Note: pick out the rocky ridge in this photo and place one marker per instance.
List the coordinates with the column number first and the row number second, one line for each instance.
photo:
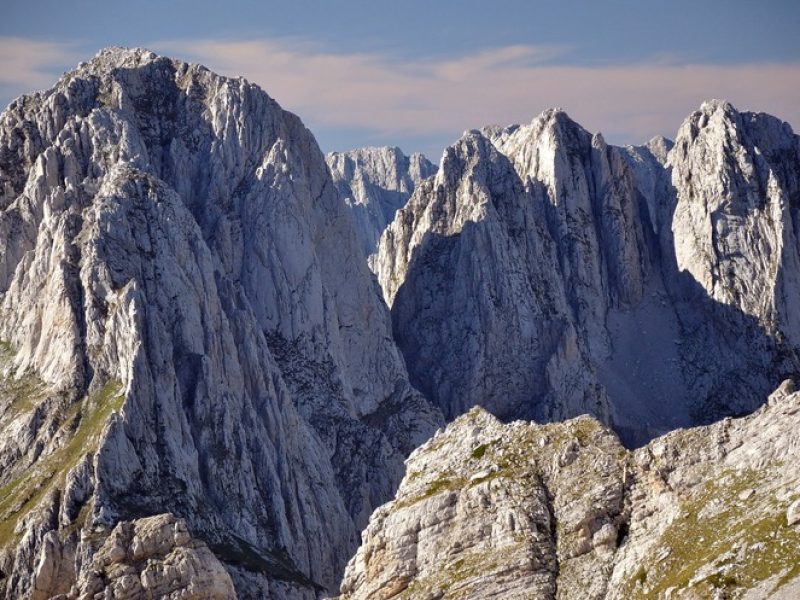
column 189, row 328
column 375, row 183
column 563, row 510
column 570, row 276
column 200, row 393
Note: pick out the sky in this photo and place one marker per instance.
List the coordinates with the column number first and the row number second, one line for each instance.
column 417, row 74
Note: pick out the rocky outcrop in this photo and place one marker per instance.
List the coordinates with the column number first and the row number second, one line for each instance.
column 191, row 328
column 375, row 183
column 468, row 263
column 522, row 510
column 737, row 177
column 154, row 557
column 566, row 276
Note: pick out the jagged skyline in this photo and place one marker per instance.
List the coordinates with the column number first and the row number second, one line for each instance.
column 203, row 394
column 418, row 74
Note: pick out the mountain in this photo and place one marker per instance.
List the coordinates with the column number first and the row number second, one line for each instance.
column 374, row 183
column 563, row 510
column 203, row 393
column 191, row 335
column 650, row 286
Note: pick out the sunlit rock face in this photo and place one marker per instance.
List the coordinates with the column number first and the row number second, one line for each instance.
column 563, row 510
column 650, row 286
column 190, row 327
column 375, row 183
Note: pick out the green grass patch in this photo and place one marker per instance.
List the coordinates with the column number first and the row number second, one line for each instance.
column 454, row 579
column 478, row 452
column 82, row 422
column 19, row 395
column 700, row 539
column 443, row 484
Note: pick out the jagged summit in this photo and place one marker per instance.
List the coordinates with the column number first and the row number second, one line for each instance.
column 101, row 65
column 719, row 120
column 184, row 297
column 199, row 377
column 619, row 248
column 714, row 104
column 120, row 57
column 114, row 57
column 374, row 183
column 555, row 115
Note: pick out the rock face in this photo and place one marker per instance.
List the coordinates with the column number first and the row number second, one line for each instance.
column 375, row 183
column 201, row 394
column 521, row 510
column 155, row 557
column 737, row 177
column 649, row 286
column 468, row 265
column 189, row 327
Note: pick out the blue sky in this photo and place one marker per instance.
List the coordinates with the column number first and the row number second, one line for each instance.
column 416, row 74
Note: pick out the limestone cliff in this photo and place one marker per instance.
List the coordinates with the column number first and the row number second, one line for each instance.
column 649, row 286
column 375, row 183
column 562, row 510
column 190, row 327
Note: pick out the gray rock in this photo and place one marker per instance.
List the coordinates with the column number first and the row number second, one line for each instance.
column 191, row 328
column 154, row 557
column 468, row 265
column 486, row 511
column 565, row 275
column 793, row 513
column 375, row 183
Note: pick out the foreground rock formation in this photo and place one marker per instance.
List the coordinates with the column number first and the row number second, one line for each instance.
column 650, row 286
column 190, row 328
column 375, row 183
column 563, row 510
column 152, row 557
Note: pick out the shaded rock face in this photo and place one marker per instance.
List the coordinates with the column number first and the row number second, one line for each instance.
column 468, row 265
column 650, row 286
column 564, row 511
column 375, row 183
column 190, row 328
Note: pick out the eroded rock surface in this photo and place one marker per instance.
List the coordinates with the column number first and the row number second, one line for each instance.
column 189, row 327
column 649, row 286
column 563, row 510
column 190, row 330
column 375, row 183
column 154, row 557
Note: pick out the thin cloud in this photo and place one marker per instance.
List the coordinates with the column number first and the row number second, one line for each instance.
column 438, row 98
column 31, row 64
column 628, row 102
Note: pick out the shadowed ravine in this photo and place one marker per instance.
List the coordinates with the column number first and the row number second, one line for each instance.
column 545, row 321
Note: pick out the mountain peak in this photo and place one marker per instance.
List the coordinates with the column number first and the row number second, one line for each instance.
column 553, row 117
column 117, row 57
column 190, row 267
column 715, row 104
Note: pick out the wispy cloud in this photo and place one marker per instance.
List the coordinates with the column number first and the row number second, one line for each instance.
column 628, row 102
column 383, row 96
column 28, row 65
